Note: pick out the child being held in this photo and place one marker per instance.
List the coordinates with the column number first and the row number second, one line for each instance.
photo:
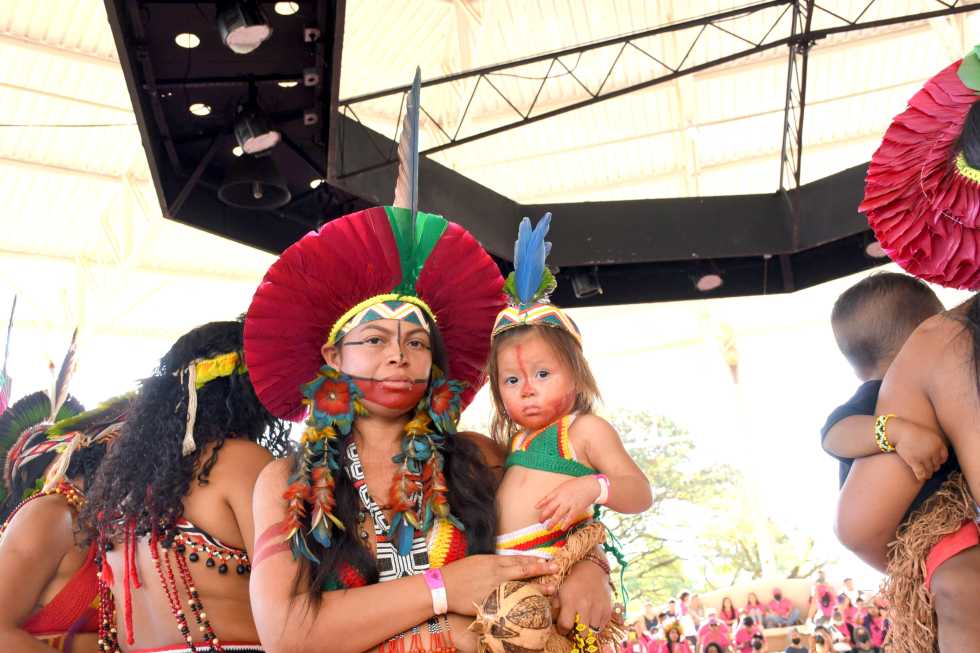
column 871, row 321
column 563, row 459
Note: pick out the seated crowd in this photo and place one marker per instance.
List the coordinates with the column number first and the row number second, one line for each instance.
column 847, row 620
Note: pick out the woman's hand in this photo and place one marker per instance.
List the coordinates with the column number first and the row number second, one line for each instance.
column 470, row 580
column 584, row 592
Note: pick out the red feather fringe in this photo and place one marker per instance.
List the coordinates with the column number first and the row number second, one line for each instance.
column 924, row 213
column 324, row 274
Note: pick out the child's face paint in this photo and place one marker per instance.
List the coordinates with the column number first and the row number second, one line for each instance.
column 535, row 385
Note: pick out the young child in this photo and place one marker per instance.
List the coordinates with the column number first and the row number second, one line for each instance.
column 563, row 458
column 871, row 321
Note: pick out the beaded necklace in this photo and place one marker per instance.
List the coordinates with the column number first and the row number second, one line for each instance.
column 392, row 565
column 192, row 539
column 189, row 543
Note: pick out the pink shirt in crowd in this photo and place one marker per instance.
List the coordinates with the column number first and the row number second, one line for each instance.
column 820, row 590
column 877, row 628
column 718, row 634
column 851, row 615
column 782, row 607
column 743, row 638
column 660, row 646
column 754, row 611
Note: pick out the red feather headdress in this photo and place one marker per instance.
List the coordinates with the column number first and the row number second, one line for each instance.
column 921, row 198
column 361, row 256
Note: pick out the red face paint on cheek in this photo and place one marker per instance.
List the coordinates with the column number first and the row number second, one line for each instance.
column 559, row 406
column 396, row 396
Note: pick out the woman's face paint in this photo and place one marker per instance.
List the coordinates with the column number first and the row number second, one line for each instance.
column 399, row 394
column 390, row 362
column 534, row 383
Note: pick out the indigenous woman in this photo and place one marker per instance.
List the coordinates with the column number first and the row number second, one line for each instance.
column 379, row 325
column 922, row 200
column 172, row 506
column 48, row 582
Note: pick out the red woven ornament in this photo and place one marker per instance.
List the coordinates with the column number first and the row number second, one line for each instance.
column 353, row 259
column 923, row 210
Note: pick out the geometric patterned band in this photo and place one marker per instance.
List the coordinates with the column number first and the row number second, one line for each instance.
column 382, row 307
column 541, row 313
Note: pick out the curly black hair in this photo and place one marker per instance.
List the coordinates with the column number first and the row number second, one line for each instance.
column 145, row 476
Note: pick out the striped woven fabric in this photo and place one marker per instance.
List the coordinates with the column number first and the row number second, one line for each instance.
column 537, row 539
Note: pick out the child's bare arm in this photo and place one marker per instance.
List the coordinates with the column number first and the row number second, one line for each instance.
column 852, row 437
column 629, row 488
column 922, row 449
column 601, row 449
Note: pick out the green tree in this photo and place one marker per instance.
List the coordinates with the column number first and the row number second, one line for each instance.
column 653, row 542
column 732, row 552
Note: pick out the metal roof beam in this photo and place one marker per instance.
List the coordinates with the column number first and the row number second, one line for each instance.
column 797, row 37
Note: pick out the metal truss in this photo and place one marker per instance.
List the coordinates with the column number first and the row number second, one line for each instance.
column 790, row 24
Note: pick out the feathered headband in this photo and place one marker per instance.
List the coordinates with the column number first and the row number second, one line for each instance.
column 531, row 283
column 198, row 373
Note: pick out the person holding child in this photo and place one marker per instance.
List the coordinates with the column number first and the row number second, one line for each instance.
column 922, row 201
column 378, row 531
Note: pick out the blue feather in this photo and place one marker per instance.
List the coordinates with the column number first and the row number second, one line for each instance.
column 530, row 252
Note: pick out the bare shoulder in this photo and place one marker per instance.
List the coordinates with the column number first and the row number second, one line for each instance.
column 237, row 452
column 49, row 519
column 493, row 453
column 938, row 333
column 276, row 473
column 270, row 485
column 590, row 425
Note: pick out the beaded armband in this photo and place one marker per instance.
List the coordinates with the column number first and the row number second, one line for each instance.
column 881, row 433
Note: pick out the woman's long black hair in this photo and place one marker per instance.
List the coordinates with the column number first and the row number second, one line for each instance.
column 969, row 144
column 472, row 488
column 145, row 476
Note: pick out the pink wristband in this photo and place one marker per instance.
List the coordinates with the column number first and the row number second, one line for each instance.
column 433, row 578
column 603, row 488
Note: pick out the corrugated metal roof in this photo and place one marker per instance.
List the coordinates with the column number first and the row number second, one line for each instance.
column 712, row 133
column 79, row 198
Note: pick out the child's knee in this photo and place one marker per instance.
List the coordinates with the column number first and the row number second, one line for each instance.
column 956, row 587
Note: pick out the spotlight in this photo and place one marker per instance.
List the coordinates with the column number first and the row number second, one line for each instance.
column 187, row 40
column 200, row 109
column 585, row 283
column 242, row 25
column 253, row 183
column 286, row 8
column 254, row 132
column 875, row 250
column 709, row 282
